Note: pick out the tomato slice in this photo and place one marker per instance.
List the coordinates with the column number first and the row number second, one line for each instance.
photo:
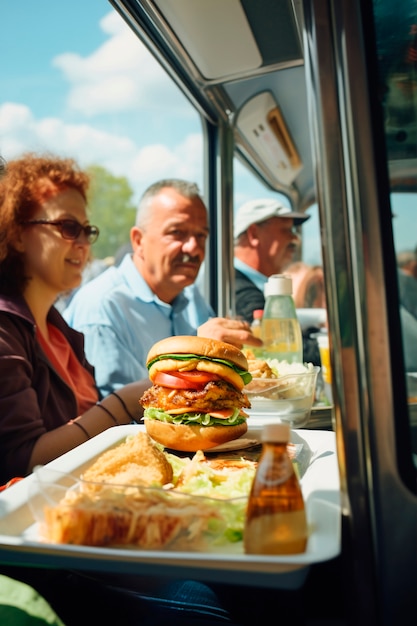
column 195, row 376
column 170, row 380
column 184, row 380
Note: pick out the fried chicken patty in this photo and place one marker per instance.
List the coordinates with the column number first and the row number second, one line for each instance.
column 216, row 395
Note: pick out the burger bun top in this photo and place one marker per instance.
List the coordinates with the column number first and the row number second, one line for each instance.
column 201, row 346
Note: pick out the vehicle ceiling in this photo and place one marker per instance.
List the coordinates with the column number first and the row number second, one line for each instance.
column 239, row 59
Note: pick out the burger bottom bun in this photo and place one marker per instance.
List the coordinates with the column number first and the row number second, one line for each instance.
column 187, row 438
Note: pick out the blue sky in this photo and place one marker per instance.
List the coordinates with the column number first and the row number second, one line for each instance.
column 81, row 83
column 75, row 80
column 71, row 86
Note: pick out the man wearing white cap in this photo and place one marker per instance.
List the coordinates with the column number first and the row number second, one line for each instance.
column 265, row 242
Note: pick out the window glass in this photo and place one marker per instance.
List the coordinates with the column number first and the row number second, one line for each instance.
column 248, row 187
column 81, row 84
column 396, row 33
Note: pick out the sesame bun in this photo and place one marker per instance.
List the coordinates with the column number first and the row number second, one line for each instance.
column 189, row 438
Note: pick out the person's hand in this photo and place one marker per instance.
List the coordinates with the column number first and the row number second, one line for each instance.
column 234, row 331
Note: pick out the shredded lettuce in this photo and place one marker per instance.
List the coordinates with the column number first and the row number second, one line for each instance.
column 230, row 489
column 233, row 485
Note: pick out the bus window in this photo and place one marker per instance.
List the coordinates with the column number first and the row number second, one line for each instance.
column 247, row 187
column 397, row 63
column 101, row 98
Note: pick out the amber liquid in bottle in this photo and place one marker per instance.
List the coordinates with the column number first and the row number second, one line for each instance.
column 276, row 520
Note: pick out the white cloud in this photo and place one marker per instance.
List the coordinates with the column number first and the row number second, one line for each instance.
column 121, row 81
column 116, row 116
column 121, row 75
column 182, row 161
column 20, row 132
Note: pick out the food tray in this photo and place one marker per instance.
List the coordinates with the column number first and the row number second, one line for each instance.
column 20, row 543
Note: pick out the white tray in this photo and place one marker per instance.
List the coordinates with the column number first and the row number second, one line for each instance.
column 19, row 543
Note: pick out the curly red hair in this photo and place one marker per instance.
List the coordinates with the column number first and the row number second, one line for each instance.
column 25, row 184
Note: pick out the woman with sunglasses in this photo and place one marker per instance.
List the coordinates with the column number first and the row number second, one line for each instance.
column 48, row 398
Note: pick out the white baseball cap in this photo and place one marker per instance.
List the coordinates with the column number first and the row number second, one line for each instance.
column 256, row 211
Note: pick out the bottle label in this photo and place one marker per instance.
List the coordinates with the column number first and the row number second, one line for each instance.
column 275, row 473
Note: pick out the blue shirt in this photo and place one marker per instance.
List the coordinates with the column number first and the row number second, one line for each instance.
column 122, row 318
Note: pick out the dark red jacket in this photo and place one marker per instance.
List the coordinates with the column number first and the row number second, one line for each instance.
column 33, row 397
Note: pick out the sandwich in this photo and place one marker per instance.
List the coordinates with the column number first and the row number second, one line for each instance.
column 197, row 400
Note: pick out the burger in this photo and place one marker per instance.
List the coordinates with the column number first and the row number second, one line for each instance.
column 196, row 401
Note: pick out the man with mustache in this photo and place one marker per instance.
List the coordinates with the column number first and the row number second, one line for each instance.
column 265, row 243
column 152, row 293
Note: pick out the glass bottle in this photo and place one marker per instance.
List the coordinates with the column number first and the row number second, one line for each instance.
column 257, row 322
column 256, row 328
column 281, row 330
column 276, row 521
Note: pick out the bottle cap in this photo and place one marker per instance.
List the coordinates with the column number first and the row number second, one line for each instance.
column 278, row 285
column 279, row 431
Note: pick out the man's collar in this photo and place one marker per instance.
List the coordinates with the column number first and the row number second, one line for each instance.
column 256, row 277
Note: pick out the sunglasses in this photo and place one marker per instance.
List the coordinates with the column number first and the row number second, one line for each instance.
column 69, row 229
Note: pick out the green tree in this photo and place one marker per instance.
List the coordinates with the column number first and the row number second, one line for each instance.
column 110, row 207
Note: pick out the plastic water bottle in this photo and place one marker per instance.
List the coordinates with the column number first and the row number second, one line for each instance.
column 276, row 521
column 281, row 331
